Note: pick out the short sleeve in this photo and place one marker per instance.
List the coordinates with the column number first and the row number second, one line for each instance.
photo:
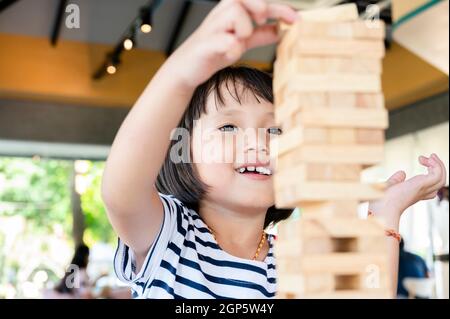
column 124, row 259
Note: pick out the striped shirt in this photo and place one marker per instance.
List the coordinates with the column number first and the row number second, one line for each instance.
column 185, row 261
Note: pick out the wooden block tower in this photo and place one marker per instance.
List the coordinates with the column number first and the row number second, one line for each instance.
column 329, row 102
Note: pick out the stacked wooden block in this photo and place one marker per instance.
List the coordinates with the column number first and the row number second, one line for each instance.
column 329, row 103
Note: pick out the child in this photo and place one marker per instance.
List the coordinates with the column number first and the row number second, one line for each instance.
column 196, row 229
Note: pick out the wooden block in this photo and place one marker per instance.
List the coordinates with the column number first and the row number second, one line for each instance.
column 369, row 100
column 353, row 65
column 343, row 118
column 290, row 284
column 316, row 172
column 331, row 209
column 287, row 249
column 341, row 100
column 344, row 12
column 350, row 282
column 322, row 117
column 317, row 225
column 294, row 286
column 296, row 246
column 318, row 283
column 369, row 136
column 296, row 195
column 343, row 271
column 343, row 263
column 331, row 154
column 342, row 136
column 333, row 172
column 348, row 12
column 320, row 226
column 304, row 99
column 315, row 135
column 334, row 82
column 298, row 284
column 291, row 256
column 299, row 100
column 292, row 138
column 280, row 97
column 359, row 29
column 290, row 176
column 287, row 105
column 286, row 295
column 334, row 100
column 323, row 65
column 320, row 47
column 372, row 244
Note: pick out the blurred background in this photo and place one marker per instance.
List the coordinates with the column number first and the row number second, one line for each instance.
column 71, row 70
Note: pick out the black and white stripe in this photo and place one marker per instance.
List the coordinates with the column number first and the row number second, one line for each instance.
column 186, row 262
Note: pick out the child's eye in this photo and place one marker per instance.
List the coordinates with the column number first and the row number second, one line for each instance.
column 274, row 130
column 228, row 128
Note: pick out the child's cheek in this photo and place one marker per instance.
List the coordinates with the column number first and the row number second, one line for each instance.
column 214, row 160
column 214, row 148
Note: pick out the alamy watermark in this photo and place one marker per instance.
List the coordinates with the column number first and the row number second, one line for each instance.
column 73, row 277
column 73, row 16
column 248, row 145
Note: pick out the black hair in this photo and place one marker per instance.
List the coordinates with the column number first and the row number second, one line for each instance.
column 80, row 259
column 181, row 179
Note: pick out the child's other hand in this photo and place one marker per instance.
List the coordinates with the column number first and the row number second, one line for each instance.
column 402, row 193
column 230, row 29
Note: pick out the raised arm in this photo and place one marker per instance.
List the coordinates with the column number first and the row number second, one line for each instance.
column 141, row 144
column 403, row 193
column 136, row 156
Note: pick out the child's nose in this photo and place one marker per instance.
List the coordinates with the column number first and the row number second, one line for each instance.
column 258, row 144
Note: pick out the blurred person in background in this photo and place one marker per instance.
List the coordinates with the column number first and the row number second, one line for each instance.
column 75, row 283
column 410, row 266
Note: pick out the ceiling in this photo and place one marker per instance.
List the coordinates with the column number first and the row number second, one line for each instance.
column 33, row 69
column 36, row 18
column 105, row 21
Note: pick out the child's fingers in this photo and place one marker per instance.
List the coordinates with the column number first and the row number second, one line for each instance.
column 434, row 177
column 442, row 165
column 282, row 12
column 226, row 44
column 436, row 169
column 430, row 195
column 396, row 178
column 258, row 9
column 264, row 35
column 424, row 160
column 239, row 22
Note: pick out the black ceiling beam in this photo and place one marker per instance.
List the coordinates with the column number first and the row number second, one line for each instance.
column 178, row 27
column 58, row 22
column 6, row 3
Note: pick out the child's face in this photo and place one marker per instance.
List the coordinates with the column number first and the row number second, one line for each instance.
column 231, row 138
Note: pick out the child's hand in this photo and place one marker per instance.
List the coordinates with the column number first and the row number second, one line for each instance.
column 402, row 193
column 230, row 29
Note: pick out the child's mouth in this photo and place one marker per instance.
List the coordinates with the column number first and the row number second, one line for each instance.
column 255, row 172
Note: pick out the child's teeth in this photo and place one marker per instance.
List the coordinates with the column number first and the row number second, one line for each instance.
column 263, row 170
column 259, row 169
